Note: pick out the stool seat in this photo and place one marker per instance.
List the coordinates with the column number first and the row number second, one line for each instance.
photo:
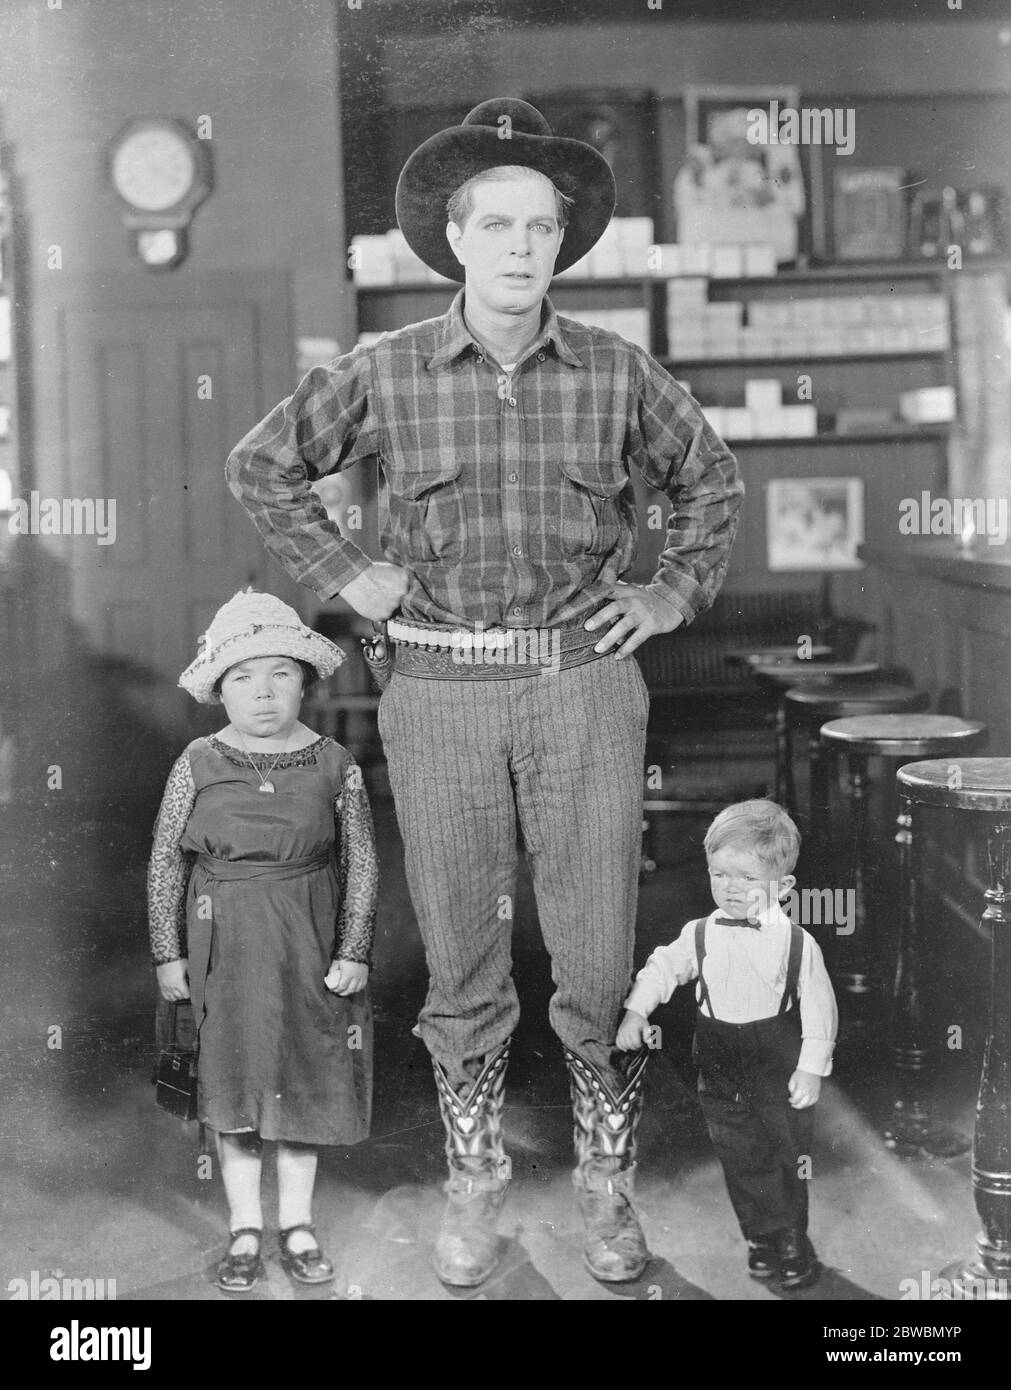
column 741, row 656
column 831, row 701
column 907, row 735
column 784, row 674
column 984, row 784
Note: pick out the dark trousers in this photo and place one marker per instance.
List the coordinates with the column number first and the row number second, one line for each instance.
column 760, row 1139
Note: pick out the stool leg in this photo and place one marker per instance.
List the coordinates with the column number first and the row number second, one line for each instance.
column 853, row 969
column 786, row 794
column 818, row 763
column 988, row 1275
column 911, row 1130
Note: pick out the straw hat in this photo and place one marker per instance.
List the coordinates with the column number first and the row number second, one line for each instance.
column 504, row 130
column 253, row 624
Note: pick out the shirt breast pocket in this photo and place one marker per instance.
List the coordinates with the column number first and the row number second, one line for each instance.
column 427, row 519
column 592, row 503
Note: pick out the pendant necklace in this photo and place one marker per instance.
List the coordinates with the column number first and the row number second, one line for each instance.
column 266, row 785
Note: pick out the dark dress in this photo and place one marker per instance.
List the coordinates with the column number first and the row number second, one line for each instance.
column 277, row 888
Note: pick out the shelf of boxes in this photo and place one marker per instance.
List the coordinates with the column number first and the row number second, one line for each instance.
column 832, row 328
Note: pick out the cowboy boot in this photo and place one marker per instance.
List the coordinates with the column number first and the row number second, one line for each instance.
column 605, row 1124
column 467, row 1246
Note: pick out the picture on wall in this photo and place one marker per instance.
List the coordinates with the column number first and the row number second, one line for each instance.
column 740, row 182
column 814, row 523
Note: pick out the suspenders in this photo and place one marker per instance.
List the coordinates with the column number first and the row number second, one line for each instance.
column 792, row 967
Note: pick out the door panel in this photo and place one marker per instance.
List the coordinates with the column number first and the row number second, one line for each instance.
column 159, row 387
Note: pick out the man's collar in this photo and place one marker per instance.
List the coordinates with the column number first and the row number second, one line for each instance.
column 455, row 337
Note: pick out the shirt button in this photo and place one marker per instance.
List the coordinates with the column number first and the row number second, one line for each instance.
column 540, row 357
column 517, row 550
column 514, row 477
column 480, row 358
column 517, row 612
column 512, row 400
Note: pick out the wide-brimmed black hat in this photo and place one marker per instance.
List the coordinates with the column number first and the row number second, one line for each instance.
column 437, row 168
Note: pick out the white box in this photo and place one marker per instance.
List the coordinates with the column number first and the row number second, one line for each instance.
column 770, row 313
column 723, row 318
column 663, row 259
column 763, row 393
column 695, row 258
column 606, row 256
column 727, row 263
column 799, row 421
column 808, row 313
column 933, row 339
column 635, row 238
column 930, row 405
column 371, row 261
column 724, row 346
column 714, row 414
column 760, row 258
column 769, row 422
column 738, row 422
column 691, row 292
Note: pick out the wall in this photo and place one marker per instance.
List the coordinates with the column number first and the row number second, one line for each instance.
column 266, row 75
column 658, row 50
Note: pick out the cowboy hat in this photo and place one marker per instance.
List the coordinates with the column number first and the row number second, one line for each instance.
column 249, row 625
column 504, row 130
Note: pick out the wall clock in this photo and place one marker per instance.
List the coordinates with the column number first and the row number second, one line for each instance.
column 161, row 173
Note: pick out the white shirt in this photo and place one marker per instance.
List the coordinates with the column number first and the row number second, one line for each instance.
column 745, row 972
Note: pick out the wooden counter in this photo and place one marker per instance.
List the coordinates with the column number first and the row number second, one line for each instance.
column 945, row 613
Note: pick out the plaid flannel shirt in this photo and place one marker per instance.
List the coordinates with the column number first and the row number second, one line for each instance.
column 508, row 498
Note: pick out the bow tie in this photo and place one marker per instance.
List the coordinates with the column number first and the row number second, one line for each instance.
column 738, row 922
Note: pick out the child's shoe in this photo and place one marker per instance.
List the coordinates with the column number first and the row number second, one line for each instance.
column 798, row 1264
column 763, row 1257
column 238, row 1273
column 309, row 1266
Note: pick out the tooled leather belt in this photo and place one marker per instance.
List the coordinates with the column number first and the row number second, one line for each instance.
column 443, row 652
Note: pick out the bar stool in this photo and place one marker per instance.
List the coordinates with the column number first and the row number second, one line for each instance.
column 911, row 1129
column 742, row 656
column 810, row 705
column 779, row 676
column 982, row 788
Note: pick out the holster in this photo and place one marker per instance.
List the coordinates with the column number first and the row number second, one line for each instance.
column 378, row 654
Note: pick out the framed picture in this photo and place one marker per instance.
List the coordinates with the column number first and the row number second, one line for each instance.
column 742, row 180
column 869, row 213
column 814, row 523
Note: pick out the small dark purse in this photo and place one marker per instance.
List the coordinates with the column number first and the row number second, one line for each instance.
column 175, row 1078
column 378, row 655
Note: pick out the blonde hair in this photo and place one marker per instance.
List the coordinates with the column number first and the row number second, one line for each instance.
column 460, row 203
column 759, row 826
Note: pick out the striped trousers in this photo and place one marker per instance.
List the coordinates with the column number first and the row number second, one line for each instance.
column 562, row 754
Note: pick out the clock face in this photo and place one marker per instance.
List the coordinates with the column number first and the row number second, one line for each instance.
column 153, row 168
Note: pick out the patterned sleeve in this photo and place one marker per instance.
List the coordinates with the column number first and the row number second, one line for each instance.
column 357, row 869
column 168, row 872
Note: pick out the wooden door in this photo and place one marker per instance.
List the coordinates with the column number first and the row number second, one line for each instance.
column 161, row 381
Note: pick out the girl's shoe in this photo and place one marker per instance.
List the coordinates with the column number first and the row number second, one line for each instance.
column 304, row 1266
column 240, row 1273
